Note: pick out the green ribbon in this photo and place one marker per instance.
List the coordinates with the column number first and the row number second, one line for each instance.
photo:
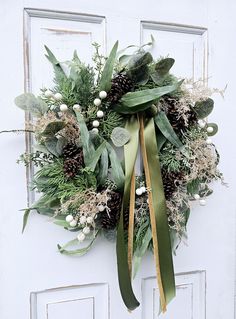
column 130, row 154
column 159, row 203
column 163, row 236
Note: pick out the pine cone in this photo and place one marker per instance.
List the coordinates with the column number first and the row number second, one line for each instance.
column 73, row 159
column 110, row 220
column 71, row 167
column 120, row 85
column 70, row 150
column 176, row 120
column 171, row 180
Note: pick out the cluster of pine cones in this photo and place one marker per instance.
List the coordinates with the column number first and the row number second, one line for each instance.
column 73, row 160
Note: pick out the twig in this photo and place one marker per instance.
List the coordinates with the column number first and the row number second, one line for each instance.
column 17, row 131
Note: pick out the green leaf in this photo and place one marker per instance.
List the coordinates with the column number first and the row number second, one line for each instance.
column 140, row 251
column 167, row 130
column 53, row 127
column 193, row 186
column 61, row 142
column 51, row 145
column 204, row 108
column 78, row 252
column 103, row 168
column 215, row 129
column 117, row 171
column 137, row 67
column 163, row 67
column 133, row 99
column 94, row 158
column 120, row 108
column 105, row 81
column 138, row 60
column 29, row 103
column 161, row 139
column 25, row 218
column 120, row 136
column 88, row 148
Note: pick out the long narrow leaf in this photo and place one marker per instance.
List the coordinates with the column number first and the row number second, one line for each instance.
column 167, row 130
column 25, row 218
column 78, row 252
column 103, row 169
column 117, row 171
column 95, row 157
column 88, row 148
column 132, row 99
column 139, row 252
column 105, row 82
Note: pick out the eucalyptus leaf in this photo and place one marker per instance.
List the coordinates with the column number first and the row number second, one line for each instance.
column 88, row 148
column 80, row 251
column 94, row 158
column 138, row 60
column 140, row 251
column 25, row 218
column 56, row 64
column 29, row 103
column 53, row 127
column 61, row 142
column 163, row 66
column 204, row 108
column 161, row 139
column 105, row 81
column 215, row 129
column 51, row 145
column 120, row 136
column 103, row 168
column 133, row 99
column 116, row 168
column 167, row 130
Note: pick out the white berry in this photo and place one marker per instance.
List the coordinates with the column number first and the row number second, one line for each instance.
column 143, row 189
column 210, row 129
column 101, row 208
column 102, row 94
column 76, row 107
column 89, row 220
column 196, row 196
column 73, row 223
column 100, row 114
column 201, row 123
column 202, row 202
column 69, row 218
column 97, row 102
column 81, row 237
column 48, row 93
column 138, row 191
column 209, row 141
column 82, row 220
column 86, row 230
column 96, row 123
column 63, row 107
column 95, row 130
column 57, row 96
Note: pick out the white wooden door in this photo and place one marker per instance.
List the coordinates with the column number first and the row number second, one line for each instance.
column 35, row 280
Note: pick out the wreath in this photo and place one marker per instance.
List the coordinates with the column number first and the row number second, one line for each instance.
column 92, row 114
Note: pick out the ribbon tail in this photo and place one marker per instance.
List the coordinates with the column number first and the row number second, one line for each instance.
column 131, row 223
column 158, row 216
column 130, row 153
